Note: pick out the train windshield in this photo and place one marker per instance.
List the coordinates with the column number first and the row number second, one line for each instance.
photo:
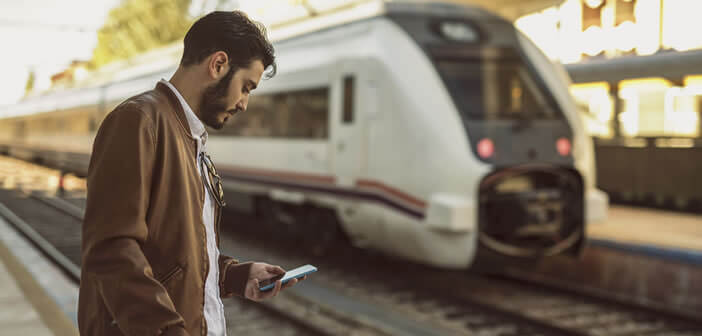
column 493, row 84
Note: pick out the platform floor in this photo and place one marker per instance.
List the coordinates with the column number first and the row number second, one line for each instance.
column 650, row 227
column 17, row 315
column 25, row 308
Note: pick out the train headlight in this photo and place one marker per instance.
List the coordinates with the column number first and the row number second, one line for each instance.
column 563, row 146
column 458, row 31
column 486, row 148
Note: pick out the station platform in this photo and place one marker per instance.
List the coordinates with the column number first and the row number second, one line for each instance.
column 648, row 256
column 31, row 293
column 651, row 227
column 657, row 233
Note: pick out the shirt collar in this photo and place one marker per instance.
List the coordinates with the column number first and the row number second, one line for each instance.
column 197, row 128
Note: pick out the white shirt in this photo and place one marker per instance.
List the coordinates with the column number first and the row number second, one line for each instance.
column 214, row 310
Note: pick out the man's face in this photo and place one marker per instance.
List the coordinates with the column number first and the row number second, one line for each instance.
column 230, row 95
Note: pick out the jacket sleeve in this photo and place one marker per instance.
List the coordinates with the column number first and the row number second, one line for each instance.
column 232, row 276
column 114, row 228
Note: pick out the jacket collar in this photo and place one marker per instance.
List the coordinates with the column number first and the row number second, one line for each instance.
column 176, row 107
column 197, row 128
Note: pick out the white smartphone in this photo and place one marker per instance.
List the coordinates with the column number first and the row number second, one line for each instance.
column 299, row 272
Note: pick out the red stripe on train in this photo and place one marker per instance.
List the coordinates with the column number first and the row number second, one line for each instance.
column 305, row 177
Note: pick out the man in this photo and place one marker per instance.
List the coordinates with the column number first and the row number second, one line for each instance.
column 150, row 257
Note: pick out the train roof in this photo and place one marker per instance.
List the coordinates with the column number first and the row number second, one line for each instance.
column 78, row 96
column 670, row 65
column 373, row 9
column 441, row 9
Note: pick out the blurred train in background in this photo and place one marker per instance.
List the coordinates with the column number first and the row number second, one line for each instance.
column 638, row 81
column 644, row 114
column 429, row 131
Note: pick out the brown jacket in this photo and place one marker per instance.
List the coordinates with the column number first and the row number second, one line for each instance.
column 144, row 258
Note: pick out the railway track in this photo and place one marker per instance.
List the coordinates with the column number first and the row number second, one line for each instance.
column 54, row 222
column 391, row 293
column 60, row 242
column 480, row 304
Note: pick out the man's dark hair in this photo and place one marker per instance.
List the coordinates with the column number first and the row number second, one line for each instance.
column 243, row 39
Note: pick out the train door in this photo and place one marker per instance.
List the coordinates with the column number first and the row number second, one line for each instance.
column 355, row 112
column 352, row 102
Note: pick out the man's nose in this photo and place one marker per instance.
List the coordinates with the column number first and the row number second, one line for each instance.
column 243, row 103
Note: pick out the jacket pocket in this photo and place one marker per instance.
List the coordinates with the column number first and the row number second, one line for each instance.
column 168, row 276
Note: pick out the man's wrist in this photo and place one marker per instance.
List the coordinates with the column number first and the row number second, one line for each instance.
column 235, row 279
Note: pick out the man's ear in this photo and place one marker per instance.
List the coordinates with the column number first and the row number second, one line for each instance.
column 218, row 65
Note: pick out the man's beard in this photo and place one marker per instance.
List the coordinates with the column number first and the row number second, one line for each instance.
column 213, row 102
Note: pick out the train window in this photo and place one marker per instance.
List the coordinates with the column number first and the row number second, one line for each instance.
column 649, row 107
column 347, row 117
column 20, row 129
column 494, row 89
column 644, row 105
column 596, row 104
column 682, row 112
column 688, row 105
column 299, row 114
column 60, row 124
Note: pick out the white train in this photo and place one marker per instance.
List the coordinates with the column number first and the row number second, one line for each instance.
column 427, row 131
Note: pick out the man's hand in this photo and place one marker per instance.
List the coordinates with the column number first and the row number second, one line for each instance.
column 261, row 271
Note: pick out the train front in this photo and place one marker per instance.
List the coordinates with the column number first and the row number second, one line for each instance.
column 537, row 192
